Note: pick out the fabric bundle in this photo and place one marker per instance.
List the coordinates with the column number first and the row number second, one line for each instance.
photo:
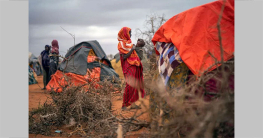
column 169, row 59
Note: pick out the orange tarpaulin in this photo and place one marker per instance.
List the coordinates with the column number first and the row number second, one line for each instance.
column 59, row 80
column 194, row 33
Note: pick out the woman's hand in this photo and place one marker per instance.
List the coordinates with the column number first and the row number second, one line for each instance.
column 125, row 56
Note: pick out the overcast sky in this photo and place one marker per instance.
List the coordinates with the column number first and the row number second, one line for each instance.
column 98, row 20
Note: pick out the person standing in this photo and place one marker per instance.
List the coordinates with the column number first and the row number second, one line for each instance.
column 54, row 57
column 45, row 65
column 132, row 68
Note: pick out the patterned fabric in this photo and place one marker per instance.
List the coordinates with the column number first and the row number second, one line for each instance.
column 136, row 73
column 177, row 80
column 179, row 77
column 31, row 78
column 169, row 59
column 125, row 45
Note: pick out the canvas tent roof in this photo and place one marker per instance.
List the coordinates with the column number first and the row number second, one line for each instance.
column 94, row 44
column 78, row 56
column 32, row 57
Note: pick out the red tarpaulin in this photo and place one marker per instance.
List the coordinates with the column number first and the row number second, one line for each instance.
column 194, row 33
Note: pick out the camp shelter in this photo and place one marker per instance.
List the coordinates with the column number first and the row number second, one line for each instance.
column 31, row 76
column 195, row 34
column 83, row 63
column 188, row 43
column 36, row 66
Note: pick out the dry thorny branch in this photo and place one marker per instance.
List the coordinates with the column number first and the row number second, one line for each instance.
column 88, row 112
column 152, row 24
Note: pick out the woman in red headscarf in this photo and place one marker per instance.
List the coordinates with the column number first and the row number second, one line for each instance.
column 54, row 59
column 131, row 66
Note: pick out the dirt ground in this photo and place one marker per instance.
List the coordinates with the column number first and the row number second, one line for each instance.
column 38, row 97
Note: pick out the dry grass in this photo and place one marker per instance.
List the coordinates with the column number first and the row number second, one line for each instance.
column 190, row 115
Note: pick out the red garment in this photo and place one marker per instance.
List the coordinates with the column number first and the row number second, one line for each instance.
column 55, row 47
column 133, row 76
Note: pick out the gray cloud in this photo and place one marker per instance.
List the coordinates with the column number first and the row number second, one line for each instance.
column 94, row 20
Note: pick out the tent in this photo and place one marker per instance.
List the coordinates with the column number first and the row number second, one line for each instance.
column 31, row 76
column 83, row 63
column 36, row 65
column 194, row 33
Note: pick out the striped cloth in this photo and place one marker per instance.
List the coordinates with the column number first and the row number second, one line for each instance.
column 169, row 59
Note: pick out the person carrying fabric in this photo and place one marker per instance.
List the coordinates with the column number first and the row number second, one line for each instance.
column 131, row 66
column 45, row 65
column 54, row 59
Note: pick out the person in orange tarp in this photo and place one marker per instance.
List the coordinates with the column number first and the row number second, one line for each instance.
column 194, row 33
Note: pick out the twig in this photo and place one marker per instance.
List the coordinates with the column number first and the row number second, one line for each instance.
column 221, row 46
column 73, row 36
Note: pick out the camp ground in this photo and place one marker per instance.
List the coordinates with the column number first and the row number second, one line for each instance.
column 87, row 60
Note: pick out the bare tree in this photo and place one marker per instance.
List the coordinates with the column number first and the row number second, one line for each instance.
column 152, row 23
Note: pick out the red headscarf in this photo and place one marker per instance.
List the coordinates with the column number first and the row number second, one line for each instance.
column 125, row 45
column 55, row 47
